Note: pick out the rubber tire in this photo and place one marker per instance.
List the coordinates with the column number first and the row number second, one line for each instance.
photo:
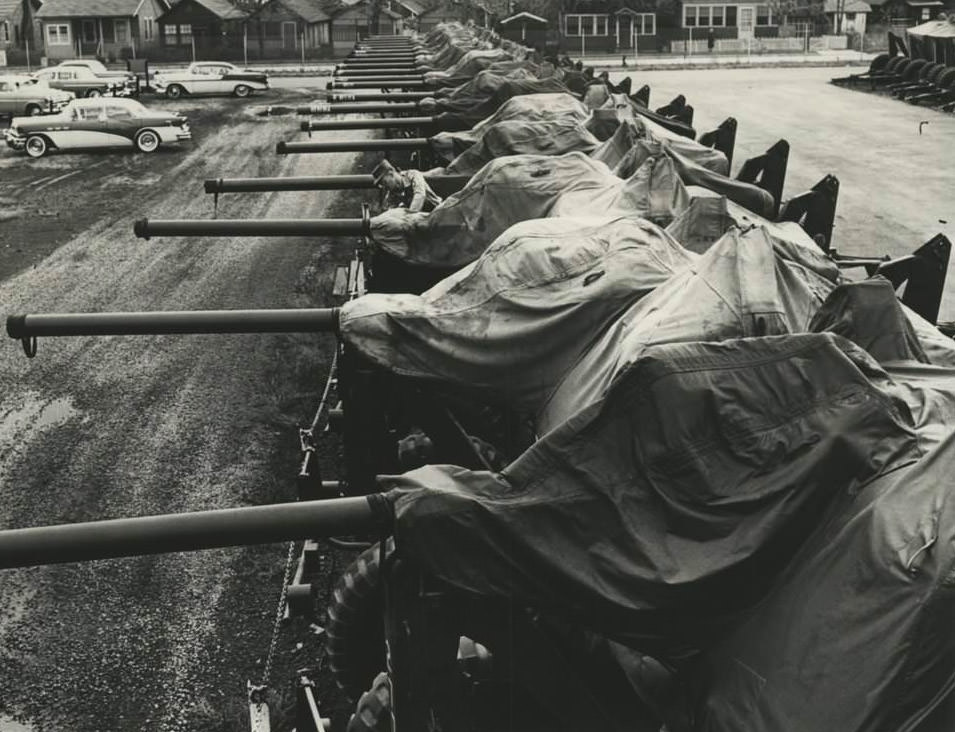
column 174, row 91
column 355, row 644
column 42, row 146
column 147, row 135
column 93, row 93
column 242, row 91
column 946, row 80
column 34, row 110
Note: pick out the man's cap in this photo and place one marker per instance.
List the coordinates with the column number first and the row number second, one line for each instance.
column 381, row 170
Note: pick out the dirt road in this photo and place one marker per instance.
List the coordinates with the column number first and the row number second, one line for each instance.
column 107, row 427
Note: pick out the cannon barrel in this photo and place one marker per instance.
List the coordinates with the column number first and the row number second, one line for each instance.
column 380, row 79
column 161, row 534
column 410, row 143
column 443, row 185
column 286, row 183
column 408, row 66
column 188, row 322
column 378, row 73
column 363, row 108
column 378, row 97
column 146, row 228
column 368, row 124
column 413, row 85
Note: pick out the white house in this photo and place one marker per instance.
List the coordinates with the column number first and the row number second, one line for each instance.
column 852, row 16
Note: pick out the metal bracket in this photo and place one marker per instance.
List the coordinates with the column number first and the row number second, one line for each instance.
column 29, row 344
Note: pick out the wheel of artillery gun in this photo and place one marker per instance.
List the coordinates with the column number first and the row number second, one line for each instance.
column 946, row 80
column 355, row 637
column 879, row 62
column 912, row 70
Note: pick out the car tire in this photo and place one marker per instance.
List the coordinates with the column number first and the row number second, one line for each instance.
column 91, row 93
column 242, row 91
column 36, row 146
column 147, row 141
column 174, row 91
column 34, row 110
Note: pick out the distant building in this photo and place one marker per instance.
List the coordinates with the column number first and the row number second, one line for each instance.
column 847, row 16
column 209, row 29
column 109, row 29
column 289, row 27
column 16, row 24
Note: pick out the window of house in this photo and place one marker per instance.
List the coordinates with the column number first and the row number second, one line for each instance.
column 272, row 30
column 169, row 34
column 764, row 15
column 147, row 29
column 5, row 32
column 926, row 14
column 585, row 25
column 851, row 17
column 706, row 16
column 185, row 34
column 645, row 24
column 58, row 34
column 121, row 30
column 323, row 34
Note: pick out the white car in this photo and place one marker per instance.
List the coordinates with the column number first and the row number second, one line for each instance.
column 24, row 95
column 97, row 123
column 98, row 69
column 84, row 83
column 209, row 77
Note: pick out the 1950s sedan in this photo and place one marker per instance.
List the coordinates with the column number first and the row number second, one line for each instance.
column 23, row 95
column 209, row 77
column 97, row 123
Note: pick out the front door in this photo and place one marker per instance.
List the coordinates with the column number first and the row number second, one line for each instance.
column 746, row 21
column 288, row 35
column 624, row 31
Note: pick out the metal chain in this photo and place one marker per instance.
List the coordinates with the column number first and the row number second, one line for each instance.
column 289, row 562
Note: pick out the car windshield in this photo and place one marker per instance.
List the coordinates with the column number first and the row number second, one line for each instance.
column 88, row 113
column 124, row 111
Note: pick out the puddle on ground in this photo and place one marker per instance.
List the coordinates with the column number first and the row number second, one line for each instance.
column 31, row 417
column 10, row 725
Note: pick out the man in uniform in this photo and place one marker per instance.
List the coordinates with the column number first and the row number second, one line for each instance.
column 405, row 188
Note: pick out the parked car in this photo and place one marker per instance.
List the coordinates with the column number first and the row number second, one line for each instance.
column 97, row 123
column 24, row 95
column 209, row 77
column 84, row 83
column 101, row 71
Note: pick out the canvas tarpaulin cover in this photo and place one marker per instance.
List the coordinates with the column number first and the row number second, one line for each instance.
column 515, row 320
column 659, row 511
column 756, row 283
column 856, row 634
column 934, row 41
column 517, row 188
column 627, row 131
column 486, row 92
column 528, row 107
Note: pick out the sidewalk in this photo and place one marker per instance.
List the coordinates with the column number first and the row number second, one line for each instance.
column 644, row 62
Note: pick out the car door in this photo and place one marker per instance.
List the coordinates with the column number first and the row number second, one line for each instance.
column 201, row 81
column 121, row 124
column 7, row 98
column 221, row 84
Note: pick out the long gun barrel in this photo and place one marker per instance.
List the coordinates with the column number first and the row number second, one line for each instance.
column 188, row 322
column 387, row 66
column 433, row 124
column 128, row 537
column 378, row 96
column 381, row 79
column 443, row 185
column 376, row 74
column 363, row 108
column 146, row 228
column 392, row 83
column 410, row 143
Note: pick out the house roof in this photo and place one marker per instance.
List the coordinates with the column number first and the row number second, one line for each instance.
column 524, row 16
column 7, row 7
column 334, row 7
column 222, row 9
column 308, row 10
column 87, row 9
column 848, row 6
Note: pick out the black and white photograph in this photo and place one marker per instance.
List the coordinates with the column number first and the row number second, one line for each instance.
column 477, row 366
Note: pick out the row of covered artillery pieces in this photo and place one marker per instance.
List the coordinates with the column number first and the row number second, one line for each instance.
column 911, row 79
column 373, row 404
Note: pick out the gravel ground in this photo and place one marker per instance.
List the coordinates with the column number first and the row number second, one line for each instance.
column 108, row 427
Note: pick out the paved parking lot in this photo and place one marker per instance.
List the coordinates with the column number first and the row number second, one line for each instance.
column 897, row 181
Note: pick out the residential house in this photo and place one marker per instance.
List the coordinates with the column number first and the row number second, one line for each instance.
column 293, row 28
column 108, row 29
column 526, row 28
column 350, row 20
column 16, row 25
column 910, row 12
column 205, row 30
column 448, row 11
column 847, row 16
column 407, row 9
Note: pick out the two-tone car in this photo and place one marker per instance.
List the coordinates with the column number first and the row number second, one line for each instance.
column 24, row 95
column 209, row 77
column 128, row 78
column 98, row 123
column 84, row 83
